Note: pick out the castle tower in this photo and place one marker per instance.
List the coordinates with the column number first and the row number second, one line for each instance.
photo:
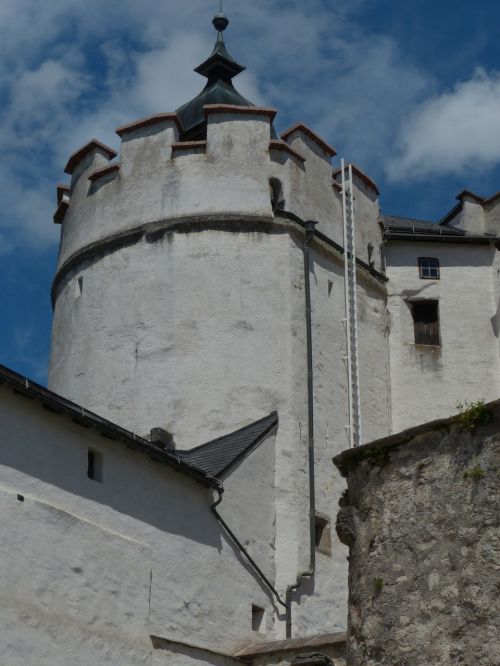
column 180, row 298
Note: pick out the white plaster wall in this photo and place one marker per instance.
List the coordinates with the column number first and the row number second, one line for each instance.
column 471, row 218
column 367, row 228
column 202, row 332
column 94, row 568
column 191, row 333
column 326, row 609
column 151, row 185
column 427, row 383
column 492, row 218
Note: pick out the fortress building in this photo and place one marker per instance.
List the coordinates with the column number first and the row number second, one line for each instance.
column 169, row 498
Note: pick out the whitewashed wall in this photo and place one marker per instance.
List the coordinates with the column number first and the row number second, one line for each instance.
column 91, row 569
column 427, row 383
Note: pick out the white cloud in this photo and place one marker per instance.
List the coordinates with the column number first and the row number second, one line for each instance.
column 452, row 132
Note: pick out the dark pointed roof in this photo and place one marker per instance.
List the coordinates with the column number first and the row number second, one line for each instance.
column 216, row 457
column 220, row 69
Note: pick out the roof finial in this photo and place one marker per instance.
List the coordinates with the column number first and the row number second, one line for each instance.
column 220, row 23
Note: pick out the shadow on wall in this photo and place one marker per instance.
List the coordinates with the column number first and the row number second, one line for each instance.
column 51, row 448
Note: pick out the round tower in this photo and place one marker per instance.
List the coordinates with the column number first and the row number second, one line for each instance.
column 175, row 295
column 190, row 295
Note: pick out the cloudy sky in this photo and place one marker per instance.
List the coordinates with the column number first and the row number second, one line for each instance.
column 408, row 90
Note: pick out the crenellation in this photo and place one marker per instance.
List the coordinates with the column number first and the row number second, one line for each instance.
column 109, row 170
column 92, row 155
column 150, row 121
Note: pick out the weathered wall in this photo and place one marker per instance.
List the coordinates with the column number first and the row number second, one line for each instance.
column 201, row 329
column 423, row 520
column 465, row 365
column 92, row 569
column 322, row 605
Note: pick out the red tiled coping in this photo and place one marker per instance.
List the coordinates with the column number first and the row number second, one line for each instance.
column 366, row 179
column 188, row 145
column 87, row 148
column 61, row 191
column 61, row 210
column 300, row 127
column 104, row 171
column 243, row 110
column 146, row 122
column 283, row 146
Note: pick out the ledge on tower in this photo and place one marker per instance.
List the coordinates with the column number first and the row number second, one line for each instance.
column 243, row 110
column 286, row 148
column 300, row 128
column 104, row 171
column 92, row 145
column 62, row 190
column 360, row 174
column 148, row 122
column 61, row 210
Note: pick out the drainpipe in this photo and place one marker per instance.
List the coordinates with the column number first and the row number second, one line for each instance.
column 265, row 580
column 310, row 225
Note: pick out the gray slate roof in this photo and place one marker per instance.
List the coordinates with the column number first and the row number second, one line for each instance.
column 406, row 226
column 218, row 456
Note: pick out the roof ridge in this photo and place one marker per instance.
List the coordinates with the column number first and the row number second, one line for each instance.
column 229, row 434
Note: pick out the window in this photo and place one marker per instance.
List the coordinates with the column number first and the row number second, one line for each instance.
column 323, row 535
column 428, row 268
column 276, row 192
column 94, row 466
column 425, row 322
column 258, row 617
column 78, row 287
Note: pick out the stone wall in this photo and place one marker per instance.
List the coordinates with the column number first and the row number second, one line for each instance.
column 421, row 518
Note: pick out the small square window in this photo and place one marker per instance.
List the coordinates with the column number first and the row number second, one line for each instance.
column 428, row 268
column 323, row 534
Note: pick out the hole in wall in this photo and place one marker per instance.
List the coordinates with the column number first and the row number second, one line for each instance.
column 276, row 192
column 258, row 619
column 78, row 287
column 322, row 534
column 20, row 498
column 94, row 465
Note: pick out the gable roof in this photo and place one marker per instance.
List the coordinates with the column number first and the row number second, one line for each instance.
column 215, row 458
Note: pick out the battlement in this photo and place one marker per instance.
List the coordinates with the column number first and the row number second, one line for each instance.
column 238, row 169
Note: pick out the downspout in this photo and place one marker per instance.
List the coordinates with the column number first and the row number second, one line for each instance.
column 265, row 580
column 310, row 225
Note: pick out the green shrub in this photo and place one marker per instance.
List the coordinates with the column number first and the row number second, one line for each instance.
column 473, row 414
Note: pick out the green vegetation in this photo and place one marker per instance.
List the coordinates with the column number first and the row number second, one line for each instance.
column 378, row 584
column 473, row 414
column 475, row 473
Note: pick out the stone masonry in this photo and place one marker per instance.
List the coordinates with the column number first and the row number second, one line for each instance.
column 421, row 518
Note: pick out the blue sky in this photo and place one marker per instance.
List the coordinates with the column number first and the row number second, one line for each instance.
column 410, row 91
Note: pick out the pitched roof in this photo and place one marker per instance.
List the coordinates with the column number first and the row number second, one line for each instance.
column 405, row 226
column 59, row 405
column 215, row 458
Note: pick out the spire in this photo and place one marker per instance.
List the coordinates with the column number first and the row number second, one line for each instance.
column 219, row 65
column 220, row 69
